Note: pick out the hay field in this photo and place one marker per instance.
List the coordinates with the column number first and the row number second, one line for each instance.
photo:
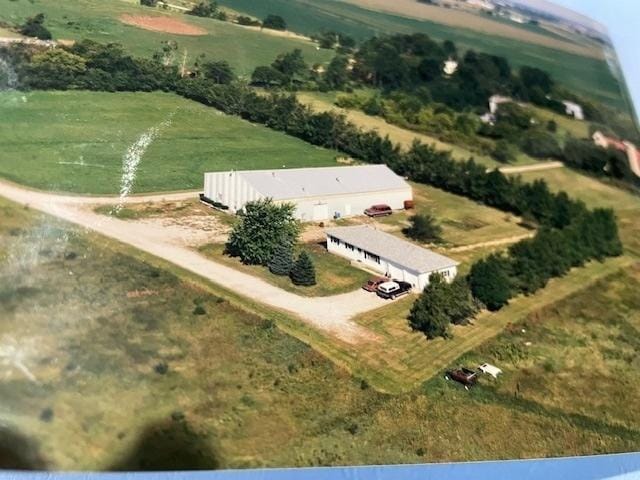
column 76, row 141
column 586, row 75
column 243, row 48
column 477, row 22
column 98, row 326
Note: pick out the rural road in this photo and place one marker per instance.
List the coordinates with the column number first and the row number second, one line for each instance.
column 329, row 314
column 538, row 167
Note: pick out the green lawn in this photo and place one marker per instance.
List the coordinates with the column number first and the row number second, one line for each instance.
column 99, row 21
column 75, row 141
column 463, row 221
column 334, row 274
column 589, row 76
column 97, row 324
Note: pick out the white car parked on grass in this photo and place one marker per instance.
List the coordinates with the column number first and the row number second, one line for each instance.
column 489, row 369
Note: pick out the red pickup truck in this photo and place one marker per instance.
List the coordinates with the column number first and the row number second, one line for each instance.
column 378, row 211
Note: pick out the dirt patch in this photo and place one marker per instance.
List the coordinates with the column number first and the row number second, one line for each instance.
column 162, row 24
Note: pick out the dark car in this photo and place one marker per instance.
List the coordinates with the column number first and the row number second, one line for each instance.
column 465, row 376
column 390, row 290
column 373, row 284
column 378, row 211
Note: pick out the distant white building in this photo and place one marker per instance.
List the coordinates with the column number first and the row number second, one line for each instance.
column 573, row 109
column 626, row 147
column 389, row 255
column 318, row 193
column 482, row 5
column 496, row 100
column 450, row 67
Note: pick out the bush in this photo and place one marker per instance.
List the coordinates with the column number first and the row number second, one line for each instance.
column 541, row 144
column 34, row 27
column 149, row 3
column 199, row 310
column 161, row 368
column 504, row 152
column 274, row 22
column 248, row 21
column 303, row 272
column 46, row 415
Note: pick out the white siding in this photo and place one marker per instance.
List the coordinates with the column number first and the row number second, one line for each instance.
column 386, row 267
column 230, row 189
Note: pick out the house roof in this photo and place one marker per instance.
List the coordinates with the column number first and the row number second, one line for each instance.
column 294, row 183
column 392, row 248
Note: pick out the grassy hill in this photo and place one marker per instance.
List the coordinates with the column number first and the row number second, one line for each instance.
column 99, row 20
column 227, row 389
column 588, row 76
column 75, row 141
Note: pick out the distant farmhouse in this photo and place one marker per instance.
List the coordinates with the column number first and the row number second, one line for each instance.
column 573, row 110
column 389, row 255
column 318, row 193
column 628, row 148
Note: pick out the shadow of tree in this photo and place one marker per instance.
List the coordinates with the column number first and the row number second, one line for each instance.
column 18, row 452
column 170, row 445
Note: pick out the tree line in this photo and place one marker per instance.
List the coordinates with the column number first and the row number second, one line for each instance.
column 569, row 235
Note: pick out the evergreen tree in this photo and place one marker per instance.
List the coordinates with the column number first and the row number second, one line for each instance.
column 281, row 262
column 489, row 282
column 303, row 272
column 423, row 228
column 429, row 313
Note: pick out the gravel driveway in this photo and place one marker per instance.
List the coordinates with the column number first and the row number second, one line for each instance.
column 330, row 314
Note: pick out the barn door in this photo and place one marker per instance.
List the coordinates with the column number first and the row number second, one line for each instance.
column 320, row 212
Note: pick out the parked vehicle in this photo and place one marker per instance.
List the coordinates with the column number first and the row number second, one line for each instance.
column 373, row 283
column 465, row 376
column 378, row 211
column 489, row 369
column 393, row 290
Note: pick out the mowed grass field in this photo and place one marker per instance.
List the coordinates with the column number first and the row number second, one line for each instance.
column 464, row 222
column 334, row 274
column 99, row 20
column 76, row 141
column 99, row 326
column 588, row 76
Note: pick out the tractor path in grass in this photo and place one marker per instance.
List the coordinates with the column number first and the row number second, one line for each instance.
column 330, row 314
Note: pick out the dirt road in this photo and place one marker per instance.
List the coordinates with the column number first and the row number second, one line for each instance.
column 330, row 314
column 532, row 168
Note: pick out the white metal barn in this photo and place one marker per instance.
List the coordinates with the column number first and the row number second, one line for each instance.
column 318, row 193
column 390, row 255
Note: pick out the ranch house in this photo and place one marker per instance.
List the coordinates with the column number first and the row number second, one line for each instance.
column 389, row 255
column 318, row 193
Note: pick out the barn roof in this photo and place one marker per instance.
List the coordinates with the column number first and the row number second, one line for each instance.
column 296, row 183
column 392, row 248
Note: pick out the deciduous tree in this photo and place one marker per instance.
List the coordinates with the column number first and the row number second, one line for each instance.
column 260, row 229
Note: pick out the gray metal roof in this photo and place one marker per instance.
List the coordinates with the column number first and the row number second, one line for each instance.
column 312, row 182
column 387, row 246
